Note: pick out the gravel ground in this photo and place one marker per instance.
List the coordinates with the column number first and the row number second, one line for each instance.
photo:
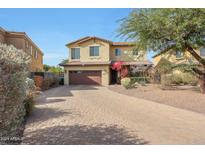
column 97, row 115
column 189, row 99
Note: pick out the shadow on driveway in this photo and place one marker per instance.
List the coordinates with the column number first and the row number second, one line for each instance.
column 44, row 114
column 83, row 135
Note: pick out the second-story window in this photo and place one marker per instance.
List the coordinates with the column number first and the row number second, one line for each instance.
column 135, row 52
column 94, row 51
column 26, row 44
column 117, row 52
column 75, row 53
column 31, row 50
column 36, row 54
column 179, row 54
column 202, row 52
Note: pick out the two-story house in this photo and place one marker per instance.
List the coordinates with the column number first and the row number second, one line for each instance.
column 21, row 41
column 91, row 59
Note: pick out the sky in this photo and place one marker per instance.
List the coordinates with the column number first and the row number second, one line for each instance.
column 51, row 29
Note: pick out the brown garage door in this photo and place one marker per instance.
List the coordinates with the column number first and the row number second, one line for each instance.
column 85, row 77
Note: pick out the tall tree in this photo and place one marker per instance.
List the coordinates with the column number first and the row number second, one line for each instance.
column 55, row 70
column 165, row 30
column 46, row 67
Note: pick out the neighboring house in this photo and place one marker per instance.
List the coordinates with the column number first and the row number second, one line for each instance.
column 21, row 41
column 91, row 60
column 178, row 57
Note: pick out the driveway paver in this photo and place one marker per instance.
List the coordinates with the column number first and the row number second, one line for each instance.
column 97, row 115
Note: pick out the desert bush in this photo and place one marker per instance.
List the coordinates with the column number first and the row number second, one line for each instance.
column 126, row 82
column 164, row 66
column 30, row 93
column 14, row 65
column 166, row 80
column 46, row 84
column 30, row 85
column 29, row 103
column 178, row 79
column 55, row 81
column 140, row 80
column 189, row 78
column 49, row 82
column 184, row 78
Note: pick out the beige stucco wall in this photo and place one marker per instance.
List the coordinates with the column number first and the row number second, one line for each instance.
column 37, row 64
column 20, row 43
column 104, row 68
column 126, row 54
column 2, row 37
column 104, row 49
column 172, row 57
column 106, row 52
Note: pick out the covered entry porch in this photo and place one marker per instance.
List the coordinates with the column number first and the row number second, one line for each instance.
column 120, row 69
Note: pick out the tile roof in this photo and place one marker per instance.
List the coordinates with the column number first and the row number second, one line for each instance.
column 123, row 43
column 88, row 38
column 20, row 34
column 138, row 63
column 78, row 63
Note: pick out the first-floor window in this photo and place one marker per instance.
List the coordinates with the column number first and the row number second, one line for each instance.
column 202, row 52
column 75, row 53
column 94, row 51
column 117, row 52
column 36, row 54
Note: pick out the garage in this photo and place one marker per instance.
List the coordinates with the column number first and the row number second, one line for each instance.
column 85, row 77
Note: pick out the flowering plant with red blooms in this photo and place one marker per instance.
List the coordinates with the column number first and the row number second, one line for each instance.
column 117, row 65
column 124, row 72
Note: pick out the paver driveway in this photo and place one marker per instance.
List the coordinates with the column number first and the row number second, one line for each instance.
column 96, row 115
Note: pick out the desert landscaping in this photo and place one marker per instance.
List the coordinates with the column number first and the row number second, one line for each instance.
column 184, row 97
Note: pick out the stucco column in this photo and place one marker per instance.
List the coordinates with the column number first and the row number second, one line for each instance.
column 66, row 77
column 105, row 76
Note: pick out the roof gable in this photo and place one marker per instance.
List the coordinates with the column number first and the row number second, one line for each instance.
column 84, row 39
column 88, row 38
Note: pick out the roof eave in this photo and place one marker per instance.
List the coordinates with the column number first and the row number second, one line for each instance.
column 24, row 35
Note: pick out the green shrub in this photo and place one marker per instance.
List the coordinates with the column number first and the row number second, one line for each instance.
column 49, row 82
column 46, row 84
column 177, row 79
column 189, row 78
column 140, row 80
column 164, row 66
column 126, row 82
column 166, row 80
